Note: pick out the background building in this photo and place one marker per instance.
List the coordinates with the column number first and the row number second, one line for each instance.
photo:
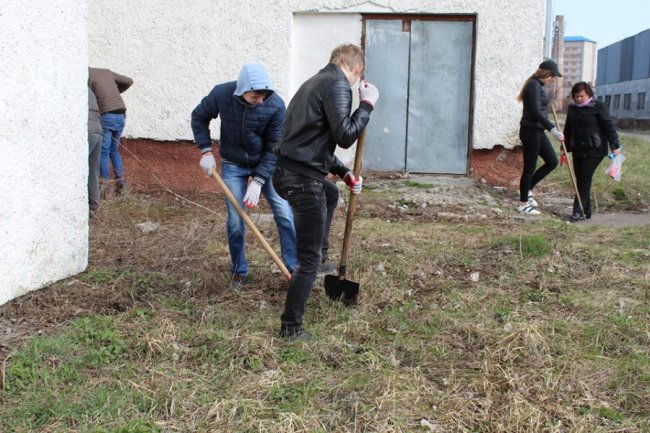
column 555, row 89
column 439, row 60
column 448, row 72
column 576, row 59
column 579, row 60
column 623, row 79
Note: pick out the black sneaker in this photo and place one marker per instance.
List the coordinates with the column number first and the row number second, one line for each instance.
column 299, row 335
column 326, row 268
column 577, row 216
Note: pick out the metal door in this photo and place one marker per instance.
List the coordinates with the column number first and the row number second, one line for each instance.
column 421, row 122
column 387, row 67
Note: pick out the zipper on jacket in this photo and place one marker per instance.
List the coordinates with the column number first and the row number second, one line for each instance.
column 243, row 133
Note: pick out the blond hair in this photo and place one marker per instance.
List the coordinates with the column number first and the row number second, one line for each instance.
column 540, row 74
column 348, row 55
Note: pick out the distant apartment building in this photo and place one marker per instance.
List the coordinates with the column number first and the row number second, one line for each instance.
column 555, row 90
column 579, row 64
column 579, row 60
column 623, row 79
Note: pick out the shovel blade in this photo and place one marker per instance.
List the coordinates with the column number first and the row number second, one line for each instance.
column 340, row 289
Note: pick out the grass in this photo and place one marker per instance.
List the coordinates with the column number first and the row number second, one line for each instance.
column 632, row 192
column 553, row 335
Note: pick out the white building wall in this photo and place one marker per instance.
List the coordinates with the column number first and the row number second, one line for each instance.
column 43, row 143
column 589, row 63
column 176, row 51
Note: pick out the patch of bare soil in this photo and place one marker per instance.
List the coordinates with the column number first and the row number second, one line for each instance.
column 151, row 164
column 154, row 231
column 169, row 194
column 497, row 166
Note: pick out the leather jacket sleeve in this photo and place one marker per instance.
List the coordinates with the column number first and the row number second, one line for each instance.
column 533, row 100
column 337, row 103
column 338, row 168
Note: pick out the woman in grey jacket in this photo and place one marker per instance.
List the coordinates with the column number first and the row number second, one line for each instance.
column 588, row 130
column 534, row 121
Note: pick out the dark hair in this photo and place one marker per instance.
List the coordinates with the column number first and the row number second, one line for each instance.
column 579, row 86
column 540, row 74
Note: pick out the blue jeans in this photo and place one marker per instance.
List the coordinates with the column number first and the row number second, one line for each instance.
column 308, row 201
column 236, row 178
column 113, row 125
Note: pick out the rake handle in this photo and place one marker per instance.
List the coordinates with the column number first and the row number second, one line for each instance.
column 569, row 163
column 242, row 213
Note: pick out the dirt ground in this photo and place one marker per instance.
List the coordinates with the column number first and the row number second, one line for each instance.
column 165, row 176
column 173, row 166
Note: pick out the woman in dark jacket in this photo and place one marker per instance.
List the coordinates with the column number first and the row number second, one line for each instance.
column 534, row 121
column 588, row 130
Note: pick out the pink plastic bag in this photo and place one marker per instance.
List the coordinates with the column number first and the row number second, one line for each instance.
column 615, row 168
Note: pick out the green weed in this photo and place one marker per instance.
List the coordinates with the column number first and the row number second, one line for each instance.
column 528, row 245
column 414, row 184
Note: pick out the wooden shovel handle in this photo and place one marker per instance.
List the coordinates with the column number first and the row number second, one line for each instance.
column 351, row 205
column 242, row 213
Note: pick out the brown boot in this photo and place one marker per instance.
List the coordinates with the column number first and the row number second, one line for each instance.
column 120, row 186
column 104, row 188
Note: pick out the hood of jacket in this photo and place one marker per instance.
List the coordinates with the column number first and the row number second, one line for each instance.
column 253, row 77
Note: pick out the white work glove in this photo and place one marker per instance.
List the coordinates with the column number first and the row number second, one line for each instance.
column 353, row 184
column 368, row 93
column 252, row 194
column 208, row 163
column 557, row 134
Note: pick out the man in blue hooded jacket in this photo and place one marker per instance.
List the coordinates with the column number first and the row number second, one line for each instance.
column 252, row 115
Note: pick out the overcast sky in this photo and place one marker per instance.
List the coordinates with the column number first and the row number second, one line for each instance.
column 604, row 21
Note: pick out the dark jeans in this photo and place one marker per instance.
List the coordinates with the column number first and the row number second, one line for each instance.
column 94, row 155
column 584, row 170
column 306, row 197
column 331, row 201
column 535, row 144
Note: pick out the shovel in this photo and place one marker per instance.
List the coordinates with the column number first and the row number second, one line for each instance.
column 242, row 213
column 569, row 163
column 336, row 286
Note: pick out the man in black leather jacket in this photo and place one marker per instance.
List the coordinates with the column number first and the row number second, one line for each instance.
column 318, row 119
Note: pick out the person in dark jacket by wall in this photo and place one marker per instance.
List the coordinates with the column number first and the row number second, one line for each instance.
column 318, row 119
column 251, row 125
column 588, row 130
column 108, row 87
column 534, row 121
column 95, row 133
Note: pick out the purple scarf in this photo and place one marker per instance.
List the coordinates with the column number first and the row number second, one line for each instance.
column 587, row 102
